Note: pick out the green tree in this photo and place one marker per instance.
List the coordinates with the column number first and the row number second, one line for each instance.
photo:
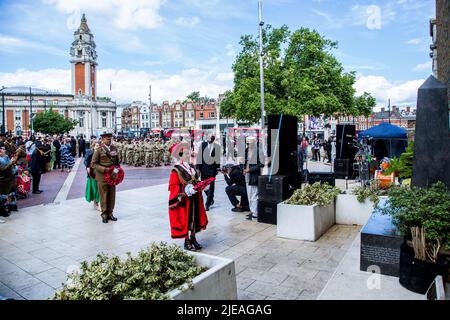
column 301, row 77
column 51, row 122
column 195, row 97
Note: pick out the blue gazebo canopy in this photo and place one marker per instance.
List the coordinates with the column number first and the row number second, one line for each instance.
column 384, row 131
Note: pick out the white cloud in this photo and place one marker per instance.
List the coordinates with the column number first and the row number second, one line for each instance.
column 130, row 14
column 11, row 44
column 415, row 41
column 382, row 90
column 188, row 21
column 423, row 67
column 372, row 16
column 225, row 76
column 127, row 85
column 230, row 50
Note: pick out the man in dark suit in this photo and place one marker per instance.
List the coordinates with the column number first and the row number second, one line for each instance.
column 208, row 164
column 37, row 161
column 235, row 180
column 81, row 147
column 57, row 146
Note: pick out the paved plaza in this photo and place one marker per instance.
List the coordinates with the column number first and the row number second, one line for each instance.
column 40, row 243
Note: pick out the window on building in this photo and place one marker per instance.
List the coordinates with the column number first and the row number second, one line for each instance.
column 104, row 119
column 212, row 114
column 201, row 115
column 17, row 115
column 81, row 119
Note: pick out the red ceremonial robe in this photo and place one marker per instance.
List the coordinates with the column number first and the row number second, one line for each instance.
column 184, row 209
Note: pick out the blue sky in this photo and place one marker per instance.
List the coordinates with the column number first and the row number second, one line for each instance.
column 185, row 45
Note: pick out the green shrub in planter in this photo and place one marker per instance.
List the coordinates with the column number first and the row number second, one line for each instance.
column 311, row 194
column 373, row 192
column 423, row 216
column 148, row 276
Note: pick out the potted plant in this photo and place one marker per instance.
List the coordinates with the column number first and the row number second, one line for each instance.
column 402, row 166
column 356, row 207
column 423, row 218
column 157, row 273
column 308, row 213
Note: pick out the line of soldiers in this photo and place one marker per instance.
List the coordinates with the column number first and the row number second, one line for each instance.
column 148, row 152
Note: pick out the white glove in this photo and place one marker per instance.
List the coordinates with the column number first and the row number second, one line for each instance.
column 189, row 190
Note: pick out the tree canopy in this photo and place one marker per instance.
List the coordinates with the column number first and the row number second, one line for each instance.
column 51, row 122
column 195, row 97
column 301, row 77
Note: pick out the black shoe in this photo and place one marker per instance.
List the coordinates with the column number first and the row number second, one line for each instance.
column 207, row 207
column 13, row 208
column 37, row 192
column 188, row 245
column 41, row 191
column 251, row 217
column 245, row 209
column 236, row 209
column 212, row 202
column 104, row 219
column 196, row 245
column 111, row 217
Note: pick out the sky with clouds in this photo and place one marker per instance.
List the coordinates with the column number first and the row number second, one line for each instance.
column 180, row 46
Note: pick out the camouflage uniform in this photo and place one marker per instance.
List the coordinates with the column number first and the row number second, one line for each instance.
column 130, row 154
column 148, row 154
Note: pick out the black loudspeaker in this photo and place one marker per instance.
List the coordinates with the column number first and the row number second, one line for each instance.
column 284, row 161
column 322, row 177
column 267, row 211
column 274, row 188
column 343, row 168
column 345, row 133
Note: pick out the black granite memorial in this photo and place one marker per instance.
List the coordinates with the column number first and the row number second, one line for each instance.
column 431, row 161
column 380, row 245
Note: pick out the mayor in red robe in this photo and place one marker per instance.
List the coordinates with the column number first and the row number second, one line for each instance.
column 187, row 213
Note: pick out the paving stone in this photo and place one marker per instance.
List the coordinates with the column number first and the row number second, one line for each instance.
column 40, row 291
column 33, row 265
column 46, row 254
column 19, row 280
column 246, row 295
column 271, row 291
column 243, row 282
column 7, row 293
column 271, row 277
column 7, row 267
column 53, row 277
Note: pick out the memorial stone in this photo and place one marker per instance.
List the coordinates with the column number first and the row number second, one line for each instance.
column 431, row 161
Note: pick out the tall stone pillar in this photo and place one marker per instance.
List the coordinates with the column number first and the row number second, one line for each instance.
column 431, row 161
column 443, row 41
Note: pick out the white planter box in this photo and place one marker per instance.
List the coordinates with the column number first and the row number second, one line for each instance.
column 304, row 222
column 350, row 211
column 217, row 283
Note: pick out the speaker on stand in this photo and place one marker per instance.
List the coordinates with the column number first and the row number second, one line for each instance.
column 345, row 152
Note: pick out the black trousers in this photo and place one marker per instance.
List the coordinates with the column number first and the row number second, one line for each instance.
column 235, row 190
column 209, row 193
column 81, row 152
column 36, row 181
column 57, row 163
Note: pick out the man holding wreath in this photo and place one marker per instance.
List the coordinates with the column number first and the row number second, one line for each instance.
column 105, row 162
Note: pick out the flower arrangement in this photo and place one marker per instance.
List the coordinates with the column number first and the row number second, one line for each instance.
column 311, row 194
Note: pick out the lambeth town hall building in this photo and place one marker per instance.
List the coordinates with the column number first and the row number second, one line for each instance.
column 94, row 114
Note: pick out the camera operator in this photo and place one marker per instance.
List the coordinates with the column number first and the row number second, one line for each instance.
column 235, row 179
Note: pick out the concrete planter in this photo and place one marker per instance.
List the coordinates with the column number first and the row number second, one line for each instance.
column 350, row 211
column 304, row 222
column 216, row 283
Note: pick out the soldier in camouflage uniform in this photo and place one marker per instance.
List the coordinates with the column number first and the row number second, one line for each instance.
column 130, row 154
column 137, row 154
column 148, row 153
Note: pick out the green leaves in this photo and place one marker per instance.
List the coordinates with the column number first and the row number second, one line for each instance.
column 148, row 276
column 301, row 77
column 403, row 164
column 320, row 194
column 51, row 122
column 372, row 192
column 420, row 207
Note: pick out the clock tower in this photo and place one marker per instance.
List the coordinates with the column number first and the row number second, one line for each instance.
column 83, row 59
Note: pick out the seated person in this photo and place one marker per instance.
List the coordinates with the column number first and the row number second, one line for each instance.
column 235, row 179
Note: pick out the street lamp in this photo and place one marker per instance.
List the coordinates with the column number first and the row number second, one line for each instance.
column 3, row 110
column 31, row 112
column 261, row 62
